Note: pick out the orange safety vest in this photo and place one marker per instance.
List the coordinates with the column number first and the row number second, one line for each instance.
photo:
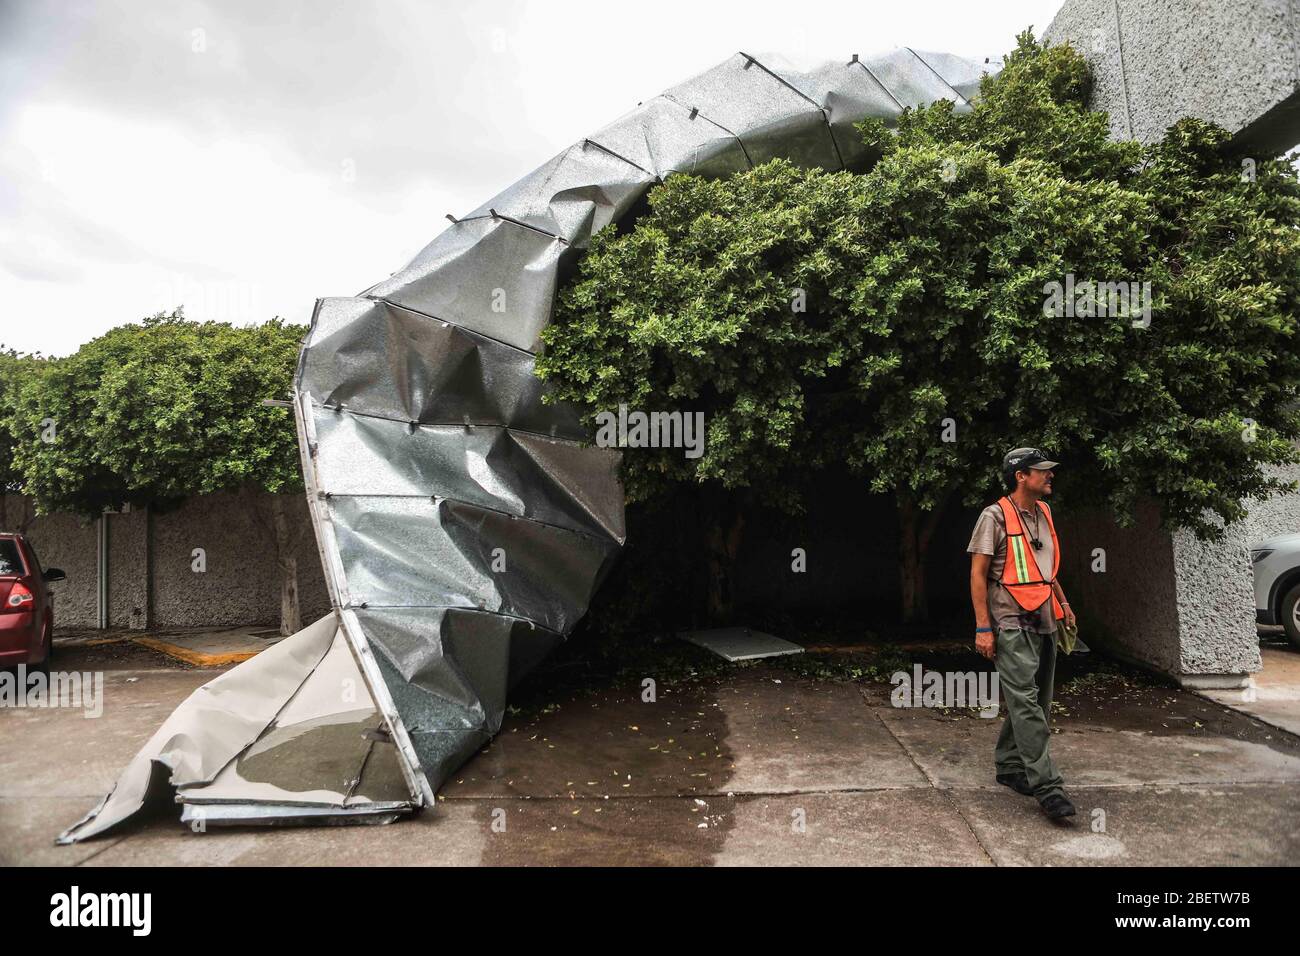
column 1020, row 573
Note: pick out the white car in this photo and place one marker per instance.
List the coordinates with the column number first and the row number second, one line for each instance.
column 1277, row 583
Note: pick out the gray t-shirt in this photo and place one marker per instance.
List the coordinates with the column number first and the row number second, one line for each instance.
column 990, row 537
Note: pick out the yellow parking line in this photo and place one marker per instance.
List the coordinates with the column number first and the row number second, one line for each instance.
column 195, row 658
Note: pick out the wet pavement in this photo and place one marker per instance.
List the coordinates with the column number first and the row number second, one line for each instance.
column 795, row 762
column 1274, row 696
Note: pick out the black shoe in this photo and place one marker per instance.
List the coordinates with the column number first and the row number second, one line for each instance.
column 1057, row 807
column 1018, row 782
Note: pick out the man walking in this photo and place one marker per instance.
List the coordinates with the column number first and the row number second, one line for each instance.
column 1017, row 600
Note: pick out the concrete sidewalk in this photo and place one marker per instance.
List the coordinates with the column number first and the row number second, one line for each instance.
column 754, row 765
column 1274, row 694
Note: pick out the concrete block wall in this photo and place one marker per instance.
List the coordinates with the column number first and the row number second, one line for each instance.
column 1171, row 602
column 1216, row 598
column 1237, row 65
column 1121, row 583
column 67, row 542
column 151, row 582
column 1166, row 602
column 128, row 562
column 1277, row 515
column 1156, row 61
column 1216, row 611
column 242, row 582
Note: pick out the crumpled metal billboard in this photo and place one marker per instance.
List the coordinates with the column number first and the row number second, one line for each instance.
column 463, row 525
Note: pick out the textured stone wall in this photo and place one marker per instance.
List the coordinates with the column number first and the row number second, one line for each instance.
column 1155, row 61
column 1168, row 601
column 1216, row 597
column 242, row 582
column 67, row 542
column 241, row 585
column 1237, row 65
column 1184, row 607
column 1216, row 608
column 1129, row 609
column 1278, row 515
column 128, row 576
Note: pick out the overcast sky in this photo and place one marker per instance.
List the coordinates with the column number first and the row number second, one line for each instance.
column 244, row 157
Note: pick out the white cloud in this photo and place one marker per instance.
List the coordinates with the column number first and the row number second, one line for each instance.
column 124, row 218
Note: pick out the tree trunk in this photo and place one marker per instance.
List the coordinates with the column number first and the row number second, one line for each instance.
column 723, row 541
column 28, row 514
column 290, row 612
column 916, row 528
column 287, row 558
column 274, row 519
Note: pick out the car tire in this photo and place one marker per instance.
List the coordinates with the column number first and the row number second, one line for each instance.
column 1289, row 613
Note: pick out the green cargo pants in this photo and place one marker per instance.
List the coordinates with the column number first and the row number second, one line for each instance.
column 1026, row 664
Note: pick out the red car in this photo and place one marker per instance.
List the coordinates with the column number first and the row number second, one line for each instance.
column 26, row 611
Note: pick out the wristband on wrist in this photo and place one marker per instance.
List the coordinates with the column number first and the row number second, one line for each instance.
column 983, row 630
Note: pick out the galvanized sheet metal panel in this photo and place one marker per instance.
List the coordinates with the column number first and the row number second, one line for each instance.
column 398, row 364
column 499, row 469
column 205, row 737
column 429, row 456
column 490, row 276
column 576, row 194
column 414, row 500
column 326, row 748
column 661, row 136
column 450, row 554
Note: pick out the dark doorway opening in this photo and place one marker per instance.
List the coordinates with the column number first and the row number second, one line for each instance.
column 703, row 558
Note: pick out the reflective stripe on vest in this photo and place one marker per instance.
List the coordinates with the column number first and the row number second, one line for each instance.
column 1020, row 572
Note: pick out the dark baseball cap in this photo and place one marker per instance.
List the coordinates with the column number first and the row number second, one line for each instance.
column 1022, row 459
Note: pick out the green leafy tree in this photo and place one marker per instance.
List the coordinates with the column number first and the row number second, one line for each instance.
column 151, row 413
column 897, row 321
column 15, row 509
